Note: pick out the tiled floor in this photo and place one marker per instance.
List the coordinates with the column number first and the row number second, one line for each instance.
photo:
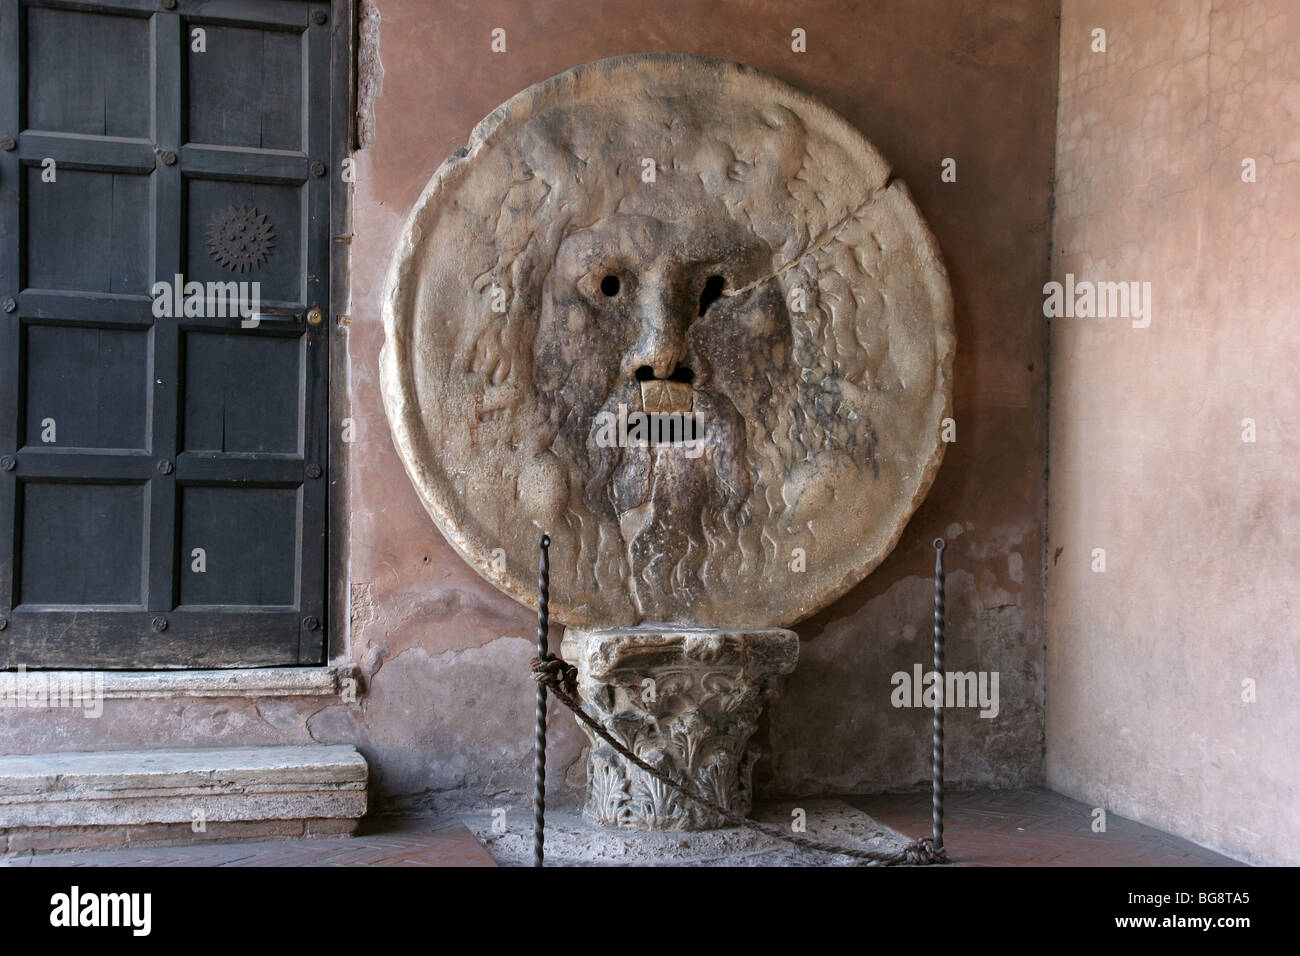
column 982, row 828
column 1034, row 827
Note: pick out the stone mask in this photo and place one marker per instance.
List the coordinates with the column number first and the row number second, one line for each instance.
column 674, row 236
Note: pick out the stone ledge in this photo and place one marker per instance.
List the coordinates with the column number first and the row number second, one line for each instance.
column 117, row 685
column 59, row 839
column 150, row 788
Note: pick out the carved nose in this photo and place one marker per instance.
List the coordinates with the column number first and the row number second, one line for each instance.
column 662, row 342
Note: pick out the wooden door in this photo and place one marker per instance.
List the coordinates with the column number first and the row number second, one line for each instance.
column 163, row 471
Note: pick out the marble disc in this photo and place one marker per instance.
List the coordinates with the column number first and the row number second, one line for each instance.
column 680, row 317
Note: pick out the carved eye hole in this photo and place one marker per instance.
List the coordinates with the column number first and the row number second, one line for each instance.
column 713, row 287
column 610, row 285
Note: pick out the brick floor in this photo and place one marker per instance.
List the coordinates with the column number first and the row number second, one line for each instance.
column 982, row 828
column 1035, row 827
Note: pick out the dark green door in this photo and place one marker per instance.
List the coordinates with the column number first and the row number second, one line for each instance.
column 163, row 471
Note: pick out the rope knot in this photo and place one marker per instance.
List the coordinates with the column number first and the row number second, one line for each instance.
column 555, row 673
column 922, row 852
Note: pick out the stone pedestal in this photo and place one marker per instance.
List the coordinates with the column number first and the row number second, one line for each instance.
column 683, row 700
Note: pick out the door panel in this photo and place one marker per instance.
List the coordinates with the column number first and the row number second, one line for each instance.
column 83, row 72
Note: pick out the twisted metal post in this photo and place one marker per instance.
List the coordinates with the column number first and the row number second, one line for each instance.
column 936, row 791
column 539, row 752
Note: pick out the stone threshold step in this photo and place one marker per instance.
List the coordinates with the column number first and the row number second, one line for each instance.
column 200, row 786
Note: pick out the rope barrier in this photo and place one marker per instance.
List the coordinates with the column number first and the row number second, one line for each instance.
column 560, row 678
column 558, row 675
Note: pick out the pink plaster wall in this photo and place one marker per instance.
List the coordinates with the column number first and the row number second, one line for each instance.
column 1146, row 661
column 450, row 705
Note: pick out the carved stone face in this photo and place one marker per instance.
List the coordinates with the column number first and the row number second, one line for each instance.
column 668, row 312
column 669, row 235
column 634, row 302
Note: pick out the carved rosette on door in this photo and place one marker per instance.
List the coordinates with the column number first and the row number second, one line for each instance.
column 682, row 318
column 240, row 238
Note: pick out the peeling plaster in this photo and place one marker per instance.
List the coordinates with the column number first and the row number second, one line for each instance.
column 462, row 720
column 370, row 72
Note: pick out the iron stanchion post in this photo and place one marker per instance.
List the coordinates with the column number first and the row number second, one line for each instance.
column 936, row 792
column 539, row 753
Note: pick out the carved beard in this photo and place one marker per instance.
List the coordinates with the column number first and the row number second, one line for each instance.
column 674, row 512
